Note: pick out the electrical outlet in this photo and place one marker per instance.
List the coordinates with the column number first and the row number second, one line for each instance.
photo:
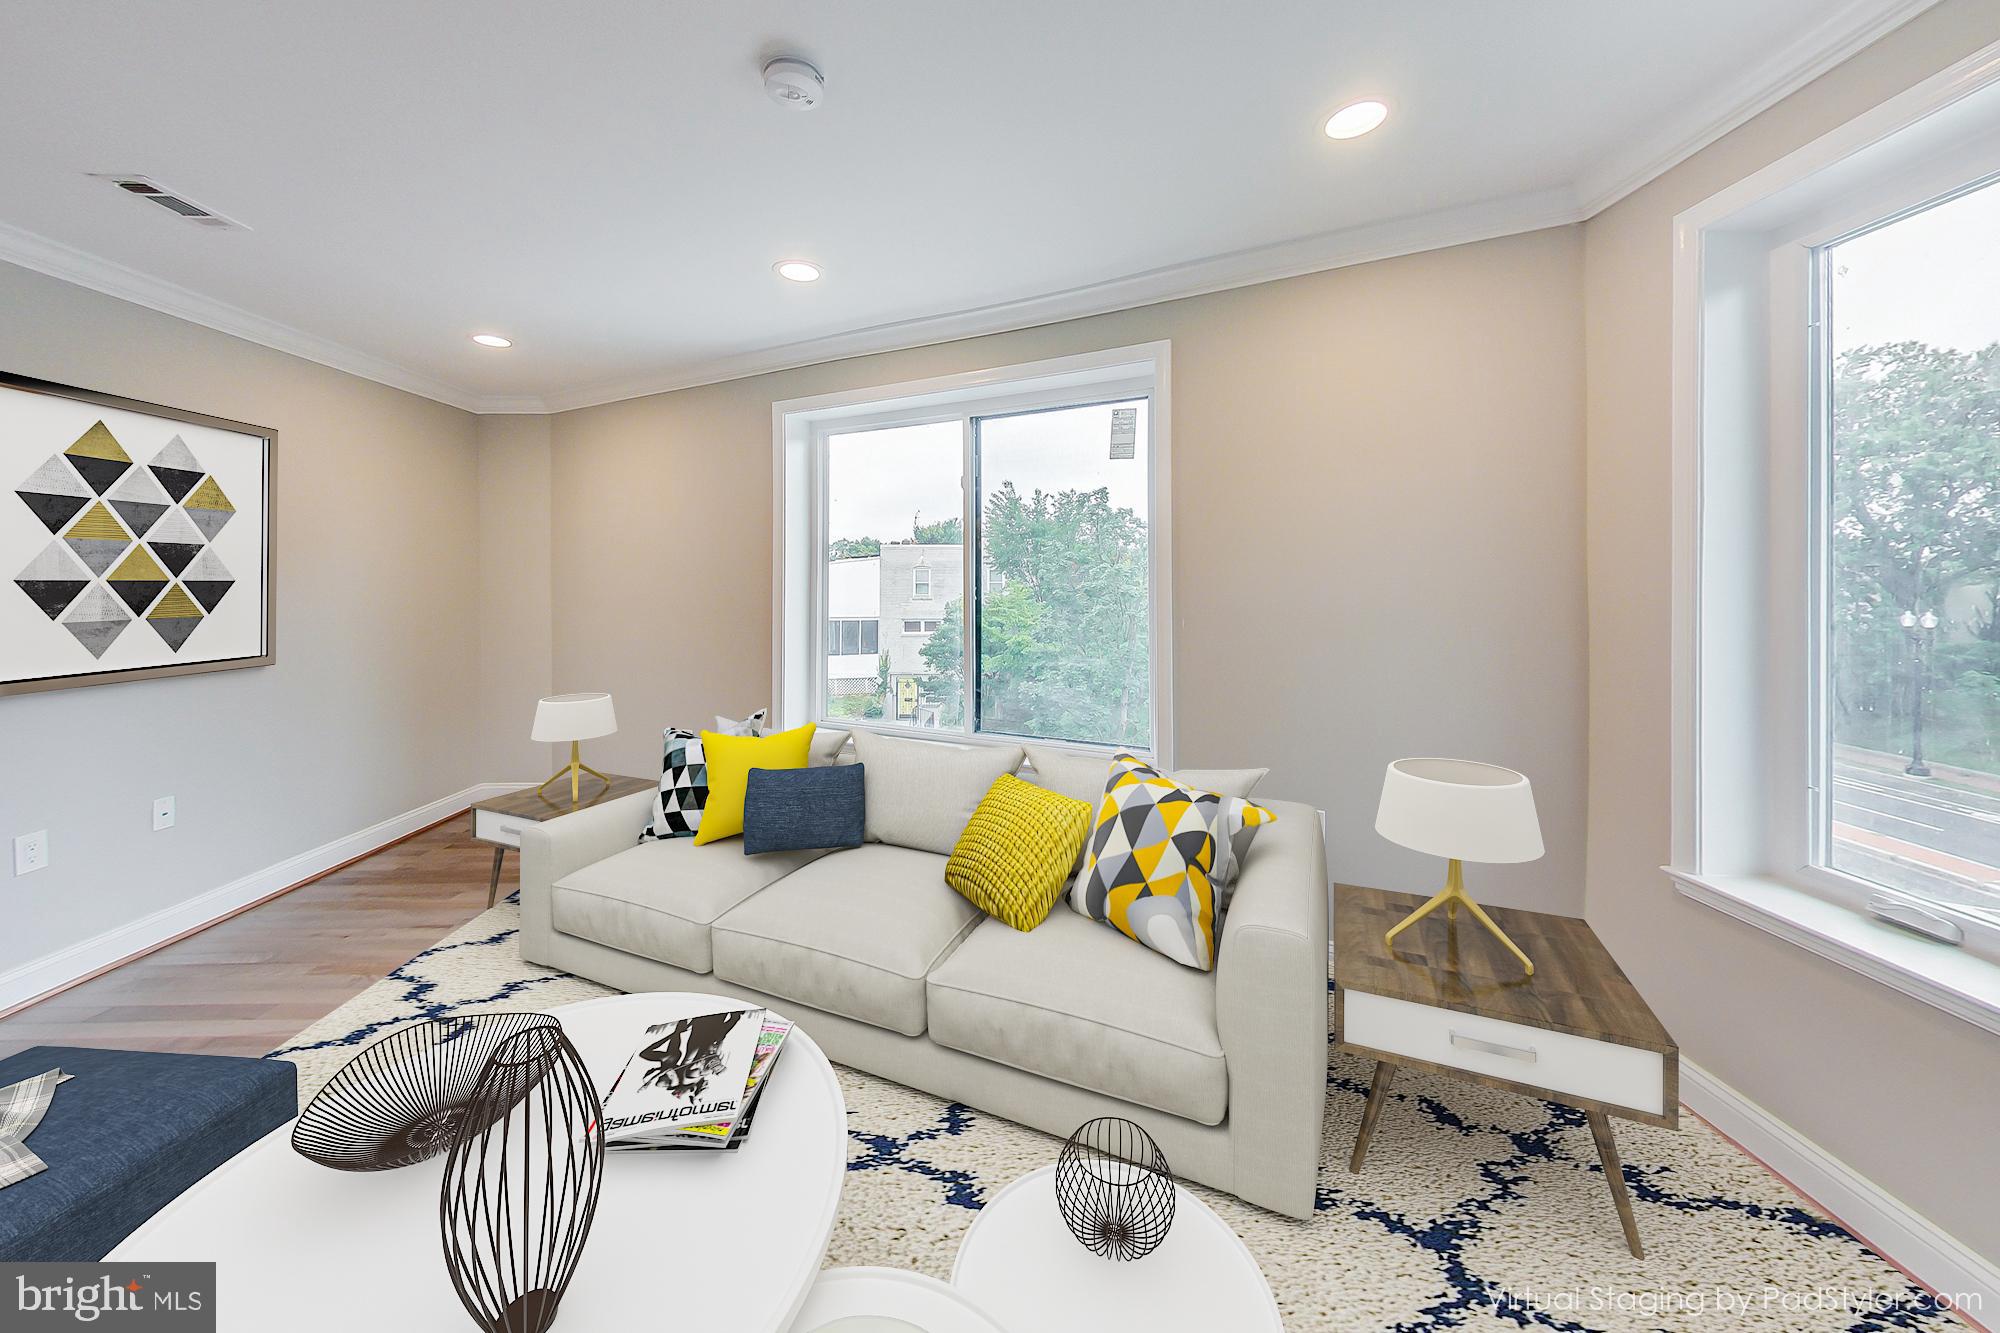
column 163, row 813
column 31, row 852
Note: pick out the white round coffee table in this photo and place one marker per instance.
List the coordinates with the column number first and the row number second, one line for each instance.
column 887, row 1300
column 1020, row 1264
column 696, row 1240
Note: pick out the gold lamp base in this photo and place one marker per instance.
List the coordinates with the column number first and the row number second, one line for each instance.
column 1450, row 897
column 576, row 768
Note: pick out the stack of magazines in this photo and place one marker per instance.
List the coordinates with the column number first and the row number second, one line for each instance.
column 694, row 1084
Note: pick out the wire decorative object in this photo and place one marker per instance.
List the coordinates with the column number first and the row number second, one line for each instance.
column 404, row 1099
column 1114, row 1189
column 521, row 1183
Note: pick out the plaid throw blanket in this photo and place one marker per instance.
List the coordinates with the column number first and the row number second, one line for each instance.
column 21, row 1108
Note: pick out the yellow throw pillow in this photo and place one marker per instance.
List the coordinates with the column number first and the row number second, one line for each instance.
column 1017, row 850
column 730, row 759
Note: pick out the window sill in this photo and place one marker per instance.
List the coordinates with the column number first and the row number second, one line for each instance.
column 1941, row 975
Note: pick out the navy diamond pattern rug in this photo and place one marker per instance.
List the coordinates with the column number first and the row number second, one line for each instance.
column 1477, row 1210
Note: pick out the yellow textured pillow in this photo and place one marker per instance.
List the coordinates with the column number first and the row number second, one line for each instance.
column 1016, row 852
column 730, row 759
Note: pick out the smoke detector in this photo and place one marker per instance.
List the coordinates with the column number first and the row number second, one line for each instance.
column 179, row 205
column 794, row 84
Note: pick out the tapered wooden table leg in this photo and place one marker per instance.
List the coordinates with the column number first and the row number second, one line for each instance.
column 493, row 885
column 1614, row 1176
column 1378, row 1093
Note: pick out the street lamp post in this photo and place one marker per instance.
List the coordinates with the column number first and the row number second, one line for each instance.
column 1922, row 630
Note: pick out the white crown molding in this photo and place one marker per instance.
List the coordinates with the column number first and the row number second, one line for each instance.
column 1242, row 268
column 1844, row 32
column 57, row 260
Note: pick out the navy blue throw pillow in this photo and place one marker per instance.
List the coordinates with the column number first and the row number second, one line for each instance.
column 802, row 809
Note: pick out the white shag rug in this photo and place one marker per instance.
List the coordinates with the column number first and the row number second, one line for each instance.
column 1478, row 1209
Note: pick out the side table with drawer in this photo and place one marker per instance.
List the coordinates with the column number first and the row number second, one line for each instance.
column 1456, row 1002
column 500, row 820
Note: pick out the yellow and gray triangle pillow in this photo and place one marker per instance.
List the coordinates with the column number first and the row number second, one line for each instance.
column 1161, row 859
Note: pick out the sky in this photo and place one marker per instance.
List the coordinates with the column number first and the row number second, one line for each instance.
column 1933, row 277
column 877, row 480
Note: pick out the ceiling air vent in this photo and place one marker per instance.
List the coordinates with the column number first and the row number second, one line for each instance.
column 153, row 192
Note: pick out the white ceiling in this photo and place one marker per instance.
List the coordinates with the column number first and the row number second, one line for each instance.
column 607, row 184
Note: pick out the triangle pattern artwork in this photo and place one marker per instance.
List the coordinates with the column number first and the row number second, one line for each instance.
column 139, row 500
column 98, row 457
column 209, row 508
column 137, row 580
column 175, row 617
column 176, row 467
column 53, row 579
column 208, row 579
column 175, row 541
column 97, row 538
column 54, row 493
column 97, row 620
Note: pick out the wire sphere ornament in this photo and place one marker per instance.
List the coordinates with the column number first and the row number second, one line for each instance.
column 404, row 1099
column 521, row 1183
column 1114, row 1189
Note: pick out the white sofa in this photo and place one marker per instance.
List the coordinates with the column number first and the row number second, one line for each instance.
column 894, row 973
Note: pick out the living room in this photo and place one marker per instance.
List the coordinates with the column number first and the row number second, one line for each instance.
column 1373, row 665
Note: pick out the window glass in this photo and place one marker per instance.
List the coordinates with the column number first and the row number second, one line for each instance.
column 1911, row 692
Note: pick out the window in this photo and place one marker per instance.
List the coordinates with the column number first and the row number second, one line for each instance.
column 1007, row 520
column 846, row 638
column 1907, row 379
column 1836, row 638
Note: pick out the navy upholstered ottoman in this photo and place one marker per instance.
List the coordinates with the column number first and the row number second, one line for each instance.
column 126, row 1135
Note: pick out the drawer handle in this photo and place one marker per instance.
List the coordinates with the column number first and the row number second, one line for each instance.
column 1493, row 1047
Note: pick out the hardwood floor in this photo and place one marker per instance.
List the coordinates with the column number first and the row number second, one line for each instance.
column 243, row 987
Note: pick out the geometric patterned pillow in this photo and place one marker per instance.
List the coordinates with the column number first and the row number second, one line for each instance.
column 1162, row 857
column 684, row 778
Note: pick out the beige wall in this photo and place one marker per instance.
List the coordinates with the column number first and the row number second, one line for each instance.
column 1377, row 485
column 362, row 717
column 1902, row 1092
column 516, row 608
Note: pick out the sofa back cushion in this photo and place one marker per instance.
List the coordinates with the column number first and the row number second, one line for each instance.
column 1081, row 776
column 921, row 793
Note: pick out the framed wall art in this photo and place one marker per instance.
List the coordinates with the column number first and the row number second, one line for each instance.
column 137, row 539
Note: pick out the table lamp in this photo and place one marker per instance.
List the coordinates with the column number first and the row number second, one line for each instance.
column 1463, row 811
column 574, row 718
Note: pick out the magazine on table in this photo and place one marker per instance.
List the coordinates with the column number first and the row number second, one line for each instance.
column 694, row 1084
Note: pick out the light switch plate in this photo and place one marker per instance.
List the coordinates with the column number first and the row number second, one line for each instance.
column 163, row 813
column 31, row 852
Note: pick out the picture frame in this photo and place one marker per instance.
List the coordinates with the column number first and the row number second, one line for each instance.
column 136, row 539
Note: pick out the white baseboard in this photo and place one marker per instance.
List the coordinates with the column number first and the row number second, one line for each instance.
column 39, row 977
column 1891, row 1227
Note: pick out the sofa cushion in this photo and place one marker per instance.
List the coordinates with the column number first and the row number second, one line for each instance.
column 128, row 1134
column 922, row 792
column 1073, row 1001
column 659, row 899
column 854, row 933
column 1081, row 776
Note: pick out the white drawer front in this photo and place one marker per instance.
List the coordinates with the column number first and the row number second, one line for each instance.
column 498, row 828
column 1579, row 1066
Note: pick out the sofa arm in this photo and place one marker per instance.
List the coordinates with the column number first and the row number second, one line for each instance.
column 565, row 845
column 1271, row 1010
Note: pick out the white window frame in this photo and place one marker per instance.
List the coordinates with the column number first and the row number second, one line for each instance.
column 920, row 583
column 1750, row 496
column 799, row 430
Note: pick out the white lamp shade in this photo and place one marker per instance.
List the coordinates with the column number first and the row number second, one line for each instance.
column 1459, row 808
column 574, row 717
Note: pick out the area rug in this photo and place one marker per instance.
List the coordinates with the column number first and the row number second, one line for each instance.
column 1478, row 1209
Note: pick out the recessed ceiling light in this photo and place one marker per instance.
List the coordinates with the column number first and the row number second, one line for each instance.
column 1355, row 119
column 492, row 340
column 798, row 270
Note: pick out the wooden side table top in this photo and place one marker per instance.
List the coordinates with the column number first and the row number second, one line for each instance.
column 538, row 806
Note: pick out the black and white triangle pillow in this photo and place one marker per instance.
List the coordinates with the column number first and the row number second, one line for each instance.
column 684, row 778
